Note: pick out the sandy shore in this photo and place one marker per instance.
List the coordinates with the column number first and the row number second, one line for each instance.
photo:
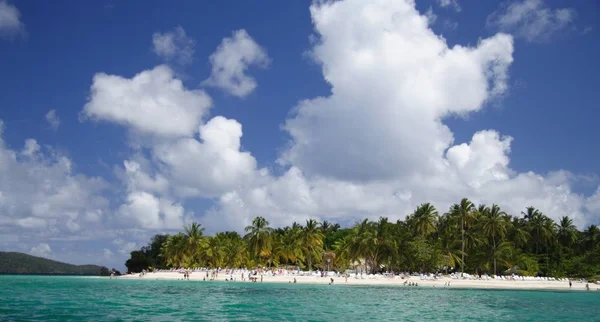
column 396, row 281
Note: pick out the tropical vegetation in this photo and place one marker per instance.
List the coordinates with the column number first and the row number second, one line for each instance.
column 466, row 238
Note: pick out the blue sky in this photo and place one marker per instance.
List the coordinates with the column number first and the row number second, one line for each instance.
column 336, row 158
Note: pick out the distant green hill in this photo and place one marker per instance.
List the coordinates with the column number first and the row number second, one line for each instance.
column 19, row 263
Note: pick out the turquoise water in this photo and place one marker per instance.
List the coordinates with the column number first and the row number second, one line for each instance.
column 27, row 298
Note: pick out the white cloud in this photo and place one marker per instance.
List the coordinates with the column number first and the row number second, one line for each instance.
column 483, row 160
column 137, row 178
column 174, row 46
column 53, row 119
column 531, row 20
column 40, row 195
column 32, row 223
column 153, row 102
column 431, row 17
column 232, row 59
column 10, row 20
column 450, row 3
column 146, row 211
column 391, row 78
column 377, row 146
column 107, row 253
column 181, row 163
column 31, row 148
column 41, row 250
column 593, row 203
column 125, row 247
column 211, row 167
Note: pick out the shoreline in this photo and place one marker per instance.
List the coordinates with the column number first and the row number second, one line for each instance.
column 381, row 281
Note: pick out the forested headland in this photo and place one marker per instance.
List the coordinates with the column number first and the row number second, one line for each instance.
column 19, row 263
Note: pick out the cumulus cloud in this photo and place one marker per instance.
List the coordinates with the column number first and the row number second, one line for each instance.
column 41, row 250
column 211, row 167
column 391, row 90
column 377, row 146
column 450, row 4
column 146, row 211
column 10, row 20
column 42, row 197
column 231, row 61
column 53, row 119
column 147, row 205
column 153, row 102
column 531, row 20
column 174, row 46
column 138, row 178
column 189, row 158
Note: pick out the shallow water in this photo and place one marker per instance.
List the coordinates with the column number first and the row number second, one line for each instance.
column 60, row 298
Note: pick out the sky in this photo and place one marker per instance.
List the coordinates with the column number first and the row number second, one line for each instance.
column 124, row 119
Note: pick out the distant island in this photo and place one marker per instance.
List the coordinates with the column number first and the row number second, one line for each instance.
column 19, row 263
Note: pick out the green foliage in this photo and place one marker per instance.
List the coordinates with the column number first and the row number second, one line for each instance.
column 424, row 256
column 466, row 238
column 139, row 261
column 19, row 263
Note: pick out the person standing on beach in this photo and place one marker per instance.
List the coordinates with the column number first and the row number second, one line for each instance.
column 570, row 284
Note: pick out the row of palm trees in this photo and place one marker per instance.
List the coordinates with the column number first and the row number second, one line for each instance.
column 467, row 238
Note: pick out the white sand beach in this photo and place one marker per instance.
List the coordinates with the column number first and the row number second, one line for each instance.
column 528, row 283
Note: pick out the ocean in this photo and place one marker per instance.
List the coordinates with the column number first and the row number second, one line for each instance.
column 62, row 298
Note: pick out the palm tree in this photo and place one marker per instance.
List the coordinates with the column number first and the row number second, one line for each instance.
column 529, row 213
column 290, row 248
column 362, row 242
column 448, row 238
column 541, row 229
column 567, row 232
column 259, row 238
column 494, row 227
column 195, row 241
column 518, row 233
column 386, row 247
column 464, row 212
column 234, row 248
column 311, row 238
column 325, row 225
column 591, row 237
column 174, row 250
column 425, row 219
column 215, row 252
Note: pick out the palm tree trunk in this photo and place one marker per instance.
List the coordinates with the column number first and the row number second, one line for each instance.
column 462, row 264
column 494, row 254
